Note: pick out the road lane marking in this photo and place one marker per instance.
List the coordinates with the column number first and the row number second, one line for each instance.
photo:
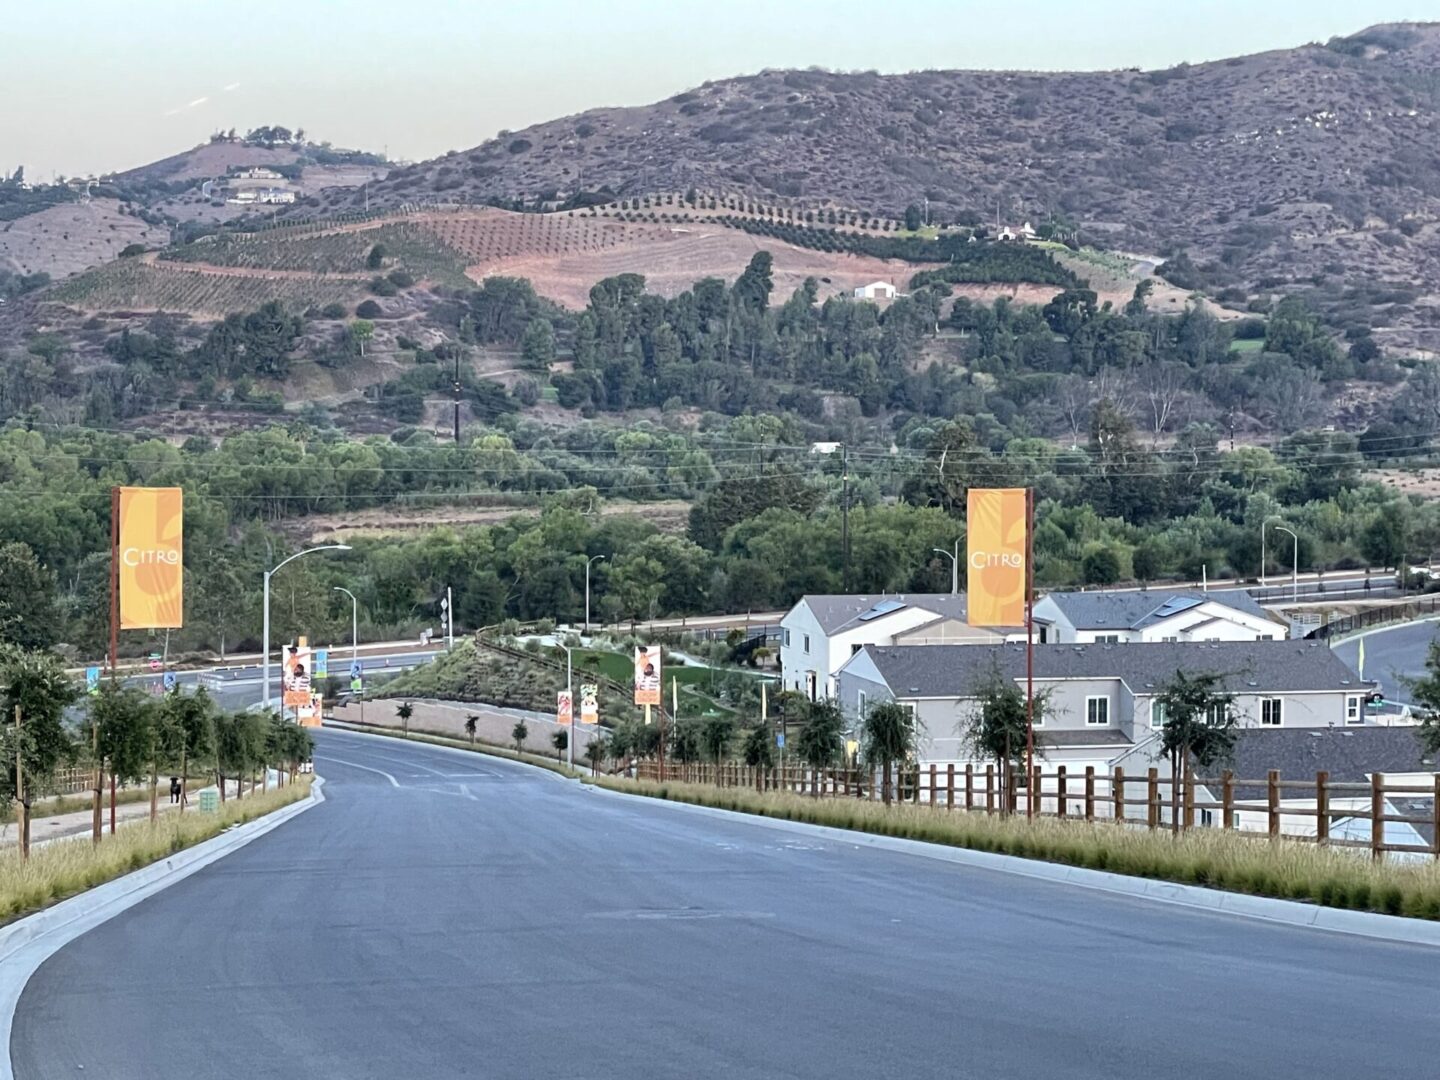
column 367, row 768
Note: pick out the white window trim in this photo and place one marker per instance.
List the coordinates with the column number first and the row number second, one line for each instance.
column 1096, row 723
column 806, row 639
column 1157, row 714
column 787, row 637
column 1357, row 716
column 860, row 703
column 1279, row 706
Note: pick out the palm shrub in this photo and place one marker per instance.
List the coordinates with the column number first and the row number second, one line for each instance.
column 404, row 711
column 520, row 732
column 888, row 733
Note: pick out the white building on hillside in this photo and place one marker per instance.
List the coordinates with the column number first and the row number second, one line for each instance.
column 876, row 290
column 1154, row 615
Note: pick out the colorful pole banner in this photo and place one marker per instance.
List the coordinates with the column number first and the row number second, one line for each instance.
column 92, row 680
column 296, row 677
column 647, row 675
column 995, row 559
column 149, row 558
column 564, row 708
column 589, row 703
column 322, row 664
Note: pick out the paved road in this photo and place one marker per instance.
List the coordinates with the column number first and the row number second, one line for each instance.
column 1392, row 653
column 443, row 916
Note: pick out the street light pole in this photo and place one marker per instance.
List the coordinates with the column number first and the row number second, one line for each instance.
column 1263, row 523
column 588, row 563
column 1294, row 562
column 954, row 558
column 354, row 625
column 265, row 642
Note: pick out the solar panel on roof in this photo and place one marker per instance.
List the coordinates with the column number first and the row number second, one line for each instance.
column 885, row 607
column 1176, row 604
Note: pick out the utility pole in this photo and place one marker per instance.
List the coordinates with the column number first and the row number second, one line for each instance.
column 845, row 517
column 456, row 390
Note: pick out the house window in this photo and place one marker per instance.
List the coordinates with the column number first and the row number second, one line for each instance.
column 1215, row 714
column 807, row 642
column 860, row 703
column 1207, row 818
column 1043, row 634
column 1097, row 711
column 787, row 638
column 1171, row 639
column 1157, row 715
column 1352, row 709
column 1270, row 712
column 1107, row 639
column 810, row 685
column 855, row 648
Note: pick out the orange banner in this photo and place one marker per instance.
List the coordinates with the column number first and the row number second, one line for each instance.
column 150, row 558
column 995, row 538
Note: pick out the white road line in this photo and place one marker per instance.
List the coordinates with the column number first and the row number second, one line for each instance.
column 367, row 768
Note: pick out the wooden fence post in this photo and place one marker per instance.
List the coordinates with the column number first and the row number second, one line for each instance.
column 1089, row 792
column 1060, row 791
column 1227, row 798
column 1117, row 792
column 915, row 795
column 1272, row 802
column 969, row 786
column 1032, row 795
column 1152, row 798
column 1189, row 779
column 932, row 783
column 1435, row 821
column 1322, row 807
column 950, row 786
column 989, row 789
column 1377, row 815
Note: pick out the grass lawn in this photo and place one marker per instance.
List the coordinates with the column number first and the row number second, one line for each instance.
column 620, row 668
column 1248, row 345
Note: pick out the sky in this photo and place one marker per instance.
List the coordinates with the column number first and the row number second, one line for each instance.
column 97, row 86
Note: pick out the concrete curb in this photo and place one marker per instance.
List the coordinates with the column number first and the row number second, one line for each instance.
column 1368, row 924
column 29, row 942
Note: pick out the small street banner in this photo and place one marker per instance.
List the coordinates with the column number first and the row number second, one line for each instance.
column 92, row 680
column 995, row 558
column 589, row 703
column 322, row 664
column 647, row 675
column 149, row 558
column 295, row 677
column 564, row 708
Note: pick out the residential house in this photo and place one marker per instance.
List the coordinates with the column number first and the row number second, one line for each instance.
column 1099, row 699
column 821, row 632
column 876, row 290
column 1116, row 617
column 1013, row 234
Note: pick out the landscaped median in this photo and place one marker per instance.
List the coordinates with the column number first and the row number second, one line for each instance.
column 1216, row 858
column 63, row 868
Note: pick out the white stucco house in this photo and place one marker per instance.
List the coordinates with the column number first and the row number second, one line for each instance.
column 1077, row 618
column 876, row 290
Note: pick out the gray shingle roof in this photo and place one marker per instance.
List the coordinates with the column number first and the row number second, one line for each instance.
column 1349, row 754
column 835, row 612
column 1245, row 666
column 1133, row 610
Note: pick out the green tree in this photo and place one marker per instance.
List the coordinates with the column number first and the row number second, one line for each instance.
column 913, row 220
column 595, row 752
column 404, row 711
column 561, row 741
column 1385, row 540
column 997, row 726
column 759, row 747
column 520, row 732
column 188, row 727
column 1425, row 690
column 1199, row 722
column 1101, row 566
column 471, row 719
column 537, row 347
column 715, row 735
column 29, row 614
column 38, row 685
column 361, row 331
column 821, row 739
column 888, row 733
column 376, row 259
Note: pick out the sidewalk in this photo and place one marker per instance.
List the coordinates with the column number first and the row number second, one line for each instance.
column 79, row 822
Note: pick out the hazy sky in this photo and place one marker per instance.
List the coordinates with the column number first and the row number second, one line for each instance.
column 97, row 86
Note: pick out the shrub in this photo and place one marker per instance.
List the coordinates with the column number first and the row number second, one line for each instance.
column 369, row 309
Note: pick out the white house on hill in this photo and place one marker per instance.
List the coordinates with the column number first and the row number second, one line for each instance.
column 876, row 290
column 1153, row 615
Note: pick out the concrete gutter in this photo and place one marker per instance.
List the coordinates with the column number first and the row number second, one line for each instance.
column 1286, row 912
column 29, row 942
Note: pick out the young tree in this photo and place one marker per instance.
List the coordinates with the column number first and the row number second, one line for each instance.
column 821, row 739
column 561, row 741
column 997, row 726
column 29, row 615
column 1199, row 723
column 1425, row 690
column 520, row 732
column 471, row 719
column 913, row 220
column 715, row 735
column 38, row 685
column 361, row 331
column 888, row 733
column 758, row 748
column 537, row 347
column 187, row 726
column 376, row 259
column 595, row 752
column 404, row 711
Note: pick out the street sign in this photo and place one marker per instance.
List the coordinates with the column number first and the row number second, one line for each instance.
column 169, row 680
column 322, row 663
column 92, row 680
column 780, row 739
column 356, row 669
column 155, row 661
column 356, row 686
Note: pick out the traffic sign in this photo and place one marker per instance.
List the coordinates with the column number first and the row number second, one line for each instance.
column 780, row 739
column 356, row 669
column 356, row 686
column 155, row 661
column 169, row 680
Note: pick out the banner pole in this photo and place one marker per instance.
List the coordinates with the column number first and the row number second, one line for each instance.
column 1029, row 651
column 114, row 580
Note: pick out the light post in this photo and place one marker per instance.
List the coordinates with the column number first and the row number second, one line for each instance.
column 265, row 636
column 588, row 563
column 354, row 625
column 1263, row 523
column 1294, row 562
column 954, row 558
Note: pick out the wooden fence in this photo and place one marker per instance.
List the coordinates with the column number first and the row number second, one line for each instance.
column 1303, row 810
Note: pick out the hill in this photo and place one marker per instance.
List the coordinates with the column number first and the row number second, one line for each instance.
column 1313, row 166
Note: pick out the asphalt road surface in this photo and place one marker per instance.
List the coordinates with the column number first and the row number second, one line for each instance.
column 446, row 916
column 1392, row 654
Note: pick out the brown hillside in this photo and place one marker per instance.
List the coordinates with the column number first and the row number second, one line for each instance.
column 1314, row 164
column 65, row 239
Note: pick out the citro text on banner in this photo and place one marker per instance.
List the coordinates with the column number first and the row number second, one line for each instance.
column 149, row 558
column 995, row 532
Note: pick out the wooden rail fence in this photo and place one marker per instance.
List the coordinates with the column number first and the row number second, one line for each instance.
column 1296, row 809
